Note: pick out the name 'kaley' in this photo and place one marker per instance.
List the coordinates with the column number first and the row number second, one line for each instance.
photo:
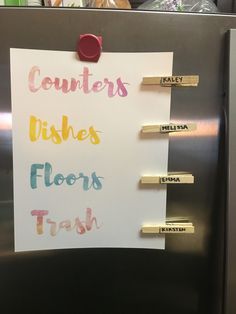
column 172, row 79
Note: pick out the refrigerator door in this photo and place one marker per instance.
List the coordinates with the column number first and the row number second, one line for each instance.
column 187, row 277
column 231, row 213
column 226, row 5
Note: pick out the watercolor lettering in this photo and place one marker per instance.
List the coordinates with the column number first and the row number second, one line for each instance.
column 39, row 221
column 84, row 84
column 93, row 181
column 81, row 227
column 40, row 129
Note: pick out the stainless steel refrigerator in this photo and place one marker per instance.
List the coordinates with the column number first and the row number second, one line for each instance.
column 199, row 271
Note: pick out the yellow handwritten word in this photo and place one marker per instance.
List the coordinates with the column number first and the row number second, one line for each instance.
column 39, row 129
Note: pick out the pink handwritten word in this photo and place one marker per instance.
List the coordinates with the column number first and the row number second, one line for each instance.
column 36, row 82
column 80, row 227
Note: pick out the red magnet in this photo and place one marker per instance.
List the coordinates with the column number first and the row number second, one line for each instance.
column 89, row 47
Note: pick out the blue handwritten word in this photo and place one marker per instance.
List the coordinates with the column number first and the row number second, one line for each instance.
column 43, row 172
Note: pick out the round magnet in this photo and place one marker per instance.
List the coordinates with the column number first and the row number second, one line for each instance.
column 89, row 47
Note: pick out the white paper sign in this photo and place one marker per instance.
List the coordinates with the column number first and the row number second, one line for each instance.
column 78, row 151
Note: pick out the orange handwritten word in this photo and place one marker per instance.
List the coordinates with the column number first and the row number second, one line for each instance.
column 78, row 225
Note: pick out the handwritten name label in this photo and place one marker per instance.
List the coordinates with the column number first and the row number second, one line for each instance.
column 155, row 229
column 169, row 179
column 188, row 80
column 172, row 229
column 168, row 81
column 181, row 179
column 179, row 229
column 166, row 128
column 171, row 80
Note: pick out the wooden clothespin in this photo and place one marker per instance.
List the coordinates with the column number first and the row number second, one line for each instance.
column 171, row 178
column 167, row 128
column 171, row 226
column 169, row 81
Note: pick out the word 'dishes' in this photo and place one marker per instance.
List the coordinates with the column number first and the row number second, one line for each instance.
column 82, row 83
column 80, row 227
column 43, row 173
column 40, row 129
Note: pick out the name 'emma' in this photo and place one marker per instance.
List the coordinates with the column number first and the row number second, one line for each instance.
column 85, row 84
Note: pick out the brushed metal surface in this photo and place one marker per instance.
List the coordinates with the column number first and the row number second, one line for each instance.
column 231, row 214
column 225, row 5
column 187, row 277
